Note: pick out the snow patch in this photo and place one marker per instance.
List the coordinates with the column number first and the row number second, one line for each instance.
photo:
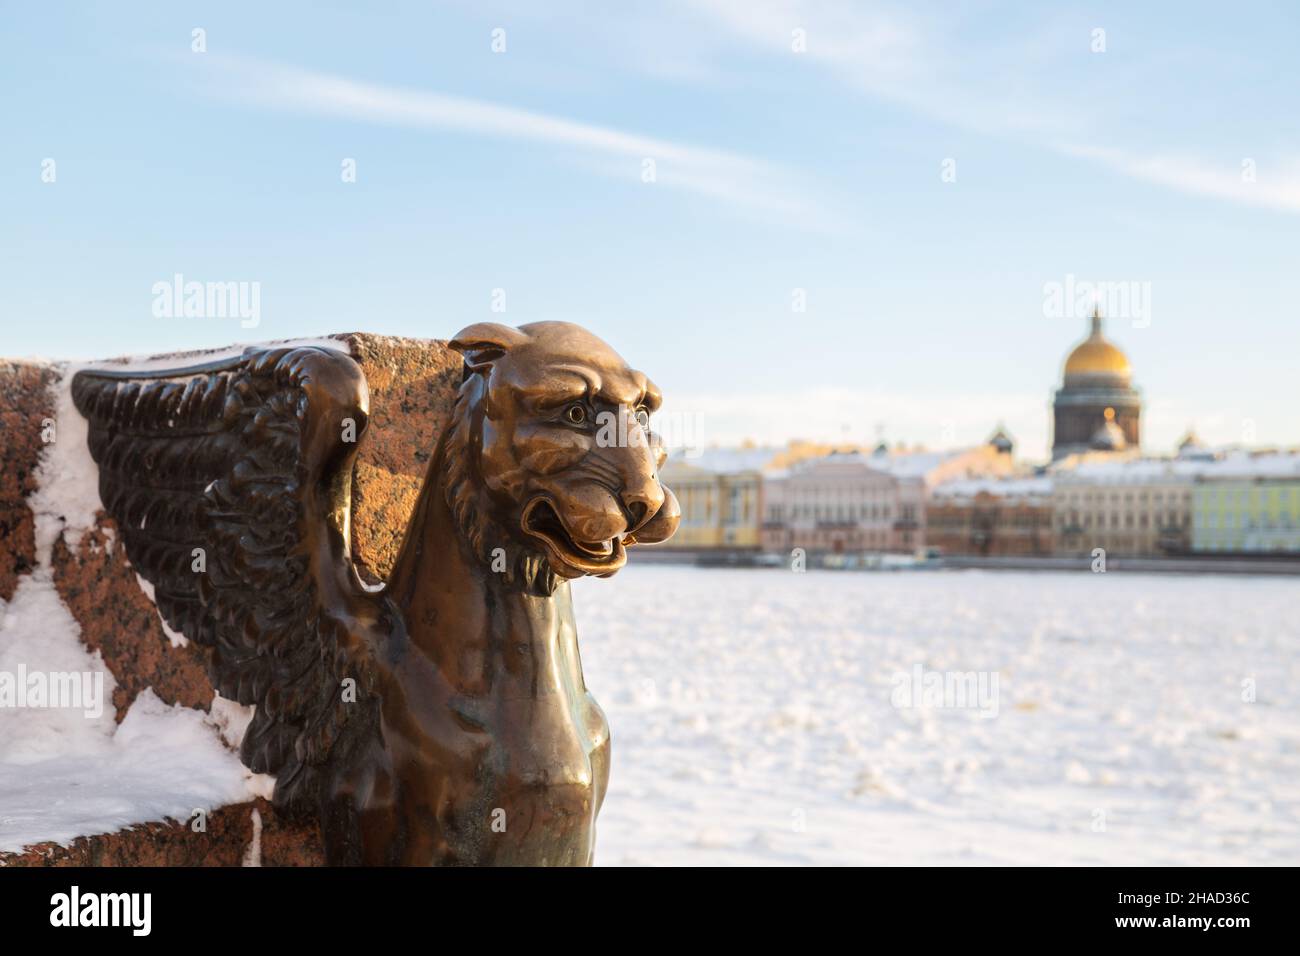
column 66, row 499
column 253, row 854
column 176, row 638
column 174, row 360
column 231, row 719
column 38, row 632
column 64, row 775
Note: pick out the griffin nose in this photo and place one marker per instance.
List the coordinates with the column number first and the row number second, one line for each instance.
column 642, row 503
column 638, row 510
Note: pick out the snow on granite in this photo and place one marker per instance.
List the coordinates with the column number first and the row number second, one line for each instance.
column 168, row 361
column 39, row 635
column 64, row 774
column 67, row 772
column 176, row 638
column 66, row 499
column 753, row 721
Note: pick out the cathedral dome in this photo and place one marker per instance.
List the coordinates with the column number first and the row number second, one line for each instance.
column 1096, row 408
column 1097, row 358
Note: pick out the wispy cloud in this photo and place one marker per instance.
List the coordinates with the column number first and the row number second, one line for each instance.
column 1203, row 179
column 879, row 47
column 721, row 175
column 898, row 54
column 889, row 52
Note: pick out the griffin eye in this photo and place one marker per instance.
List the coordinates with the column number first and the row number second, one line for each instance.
column 576, row 414
column 643, row 417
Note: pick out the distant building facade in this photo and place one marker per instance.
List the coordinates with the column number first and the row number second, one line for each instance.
column 849, row 502
column 1008, row 517
column 1248, row 504
column 837, row 503
column 1138, row 507
column 720, row 494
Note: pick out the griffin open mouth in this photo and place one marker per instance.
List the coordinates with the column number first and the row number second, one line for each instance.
column 543, row 521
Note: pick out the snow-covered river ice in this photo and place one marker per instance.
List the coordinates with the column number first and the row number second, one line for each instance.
column 763, row 716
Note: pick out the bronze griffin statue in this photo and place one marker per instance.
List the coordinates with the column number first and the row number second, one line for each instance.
column 469, row 736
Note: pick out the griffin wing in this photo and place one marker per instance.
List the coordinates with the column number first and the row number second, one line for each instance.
column 230, row 484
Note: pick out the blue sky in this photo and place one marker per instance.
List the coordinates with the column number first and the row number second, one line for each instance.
column 775, row 170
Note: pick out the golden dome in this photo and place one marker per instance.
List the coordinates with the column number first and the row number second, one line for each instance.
column 1097, row 356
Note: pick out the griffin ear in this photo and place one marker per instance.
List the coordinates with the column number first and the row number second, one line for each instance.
column 485, row 342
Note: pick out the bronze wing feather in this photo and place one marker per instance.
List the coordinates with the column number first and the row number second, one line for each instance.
column 230, row 483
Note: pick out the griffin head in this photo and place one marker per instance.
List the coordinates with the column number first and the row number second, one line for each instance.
column 555, row 427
